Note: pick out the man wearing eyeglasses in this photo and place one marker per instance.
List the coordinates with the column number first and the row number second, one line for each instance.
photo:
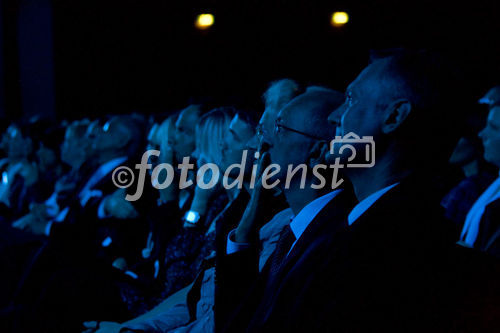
column 300, row 136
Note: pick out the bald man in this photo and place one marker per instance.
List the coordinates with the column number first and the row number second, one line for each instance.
column 301, row 131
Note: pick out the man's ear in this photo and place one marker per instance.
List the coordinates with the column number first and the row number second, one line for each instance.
column 317, row 153
column 395, row 114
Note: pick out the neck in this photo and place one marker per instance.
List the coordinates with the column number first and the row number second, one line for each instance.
column 385, row 172
column 298, row 198
column 471, row 168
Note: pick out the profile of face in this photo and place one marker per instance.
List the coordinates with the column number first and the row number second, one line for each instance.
column 291, row 147
column 75, row 148
column 113, row 135
column 276, row 97
column 234, row 143
column 154, row 141
column 265, row 128
column 490, row 136
column 15, row 144
column 185, row 128
column 362, row 110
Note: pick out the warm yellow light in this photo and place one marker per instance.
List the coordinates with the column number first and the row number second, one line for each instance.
column 339, row 19
column 204, row 21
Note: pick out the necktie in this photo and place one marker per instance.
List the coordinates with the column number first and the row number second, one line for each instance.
column 287, row 238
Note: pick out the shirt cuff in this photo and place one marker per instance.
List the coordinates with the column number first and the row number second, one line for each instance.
column 232, row 246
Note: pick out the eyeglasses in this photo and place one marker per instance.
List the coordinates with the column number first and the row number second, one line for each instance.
column 279, row 127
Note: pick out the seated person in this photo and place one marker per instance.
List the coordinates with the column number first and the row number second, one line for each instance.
column 301, row 133
column 468, row 156
column 482, row 228
column 75, row 151
column 19, row 173
column 200, row 296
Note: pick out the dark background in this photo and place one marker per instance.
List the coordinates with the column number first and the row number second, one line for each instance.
column 89, row 57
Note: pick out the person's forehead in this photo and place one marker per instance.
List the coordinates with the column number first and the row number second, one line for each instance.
column 293, row 116
column 493, row 94
column 298, row 110
column 494, row 115
column 152, row 135
column 239, row 125
column 113, row 125
column 368, row 77
column 70, row 132
column 269, row 115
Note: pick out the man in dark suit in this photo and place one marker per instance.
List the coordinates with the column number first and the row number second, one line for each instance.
column 391, row 263
column 243, row 294
column 72, row 274
column 394, row 265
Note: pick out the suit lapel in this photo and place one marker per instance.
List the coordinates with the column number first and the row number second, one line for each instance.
column 332, row 217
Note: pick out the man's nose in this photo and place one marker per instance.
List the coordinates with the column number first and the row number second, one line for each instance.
column 336, row 115
column 481, row 134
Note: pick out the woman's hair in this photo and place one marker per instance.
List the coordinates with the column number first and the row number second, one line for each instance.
column 210, row 132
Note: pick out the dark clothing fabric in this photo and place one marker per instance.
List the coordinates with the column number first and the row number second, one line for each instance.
column 244, row 293
column 228, row 293
column 396, row 269
column 186, row 251
column 488, row 239
column 460, row 199
column 287, row 238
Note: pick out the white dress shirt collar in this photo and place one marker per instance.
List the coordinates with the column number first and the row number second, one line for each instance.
column 366, row 203
column 300, row 222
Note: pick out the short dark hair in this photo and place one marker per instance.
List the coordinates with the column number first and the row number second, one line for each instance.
column 432, row 85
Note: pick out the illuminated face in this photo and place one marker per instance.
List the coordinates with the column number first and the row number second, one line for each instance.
column 14, row 144
column 265, row 129
column 235, row 142
column 75, row 147
column 361, row 111
column 291, row 147
column 109, row 136
column 154, row 140
column 184, row 142
column 491, row 137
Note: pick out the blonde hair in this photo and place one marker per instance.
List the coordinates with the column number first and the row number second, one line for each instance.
column 210, row 132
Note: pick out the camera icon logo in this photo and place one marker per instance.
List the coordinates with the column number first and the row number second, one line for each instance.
column 347, row 142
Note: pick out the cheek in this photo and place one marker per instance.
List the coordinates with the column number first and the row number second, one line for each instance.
column 493, row 144
column 346, row 123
